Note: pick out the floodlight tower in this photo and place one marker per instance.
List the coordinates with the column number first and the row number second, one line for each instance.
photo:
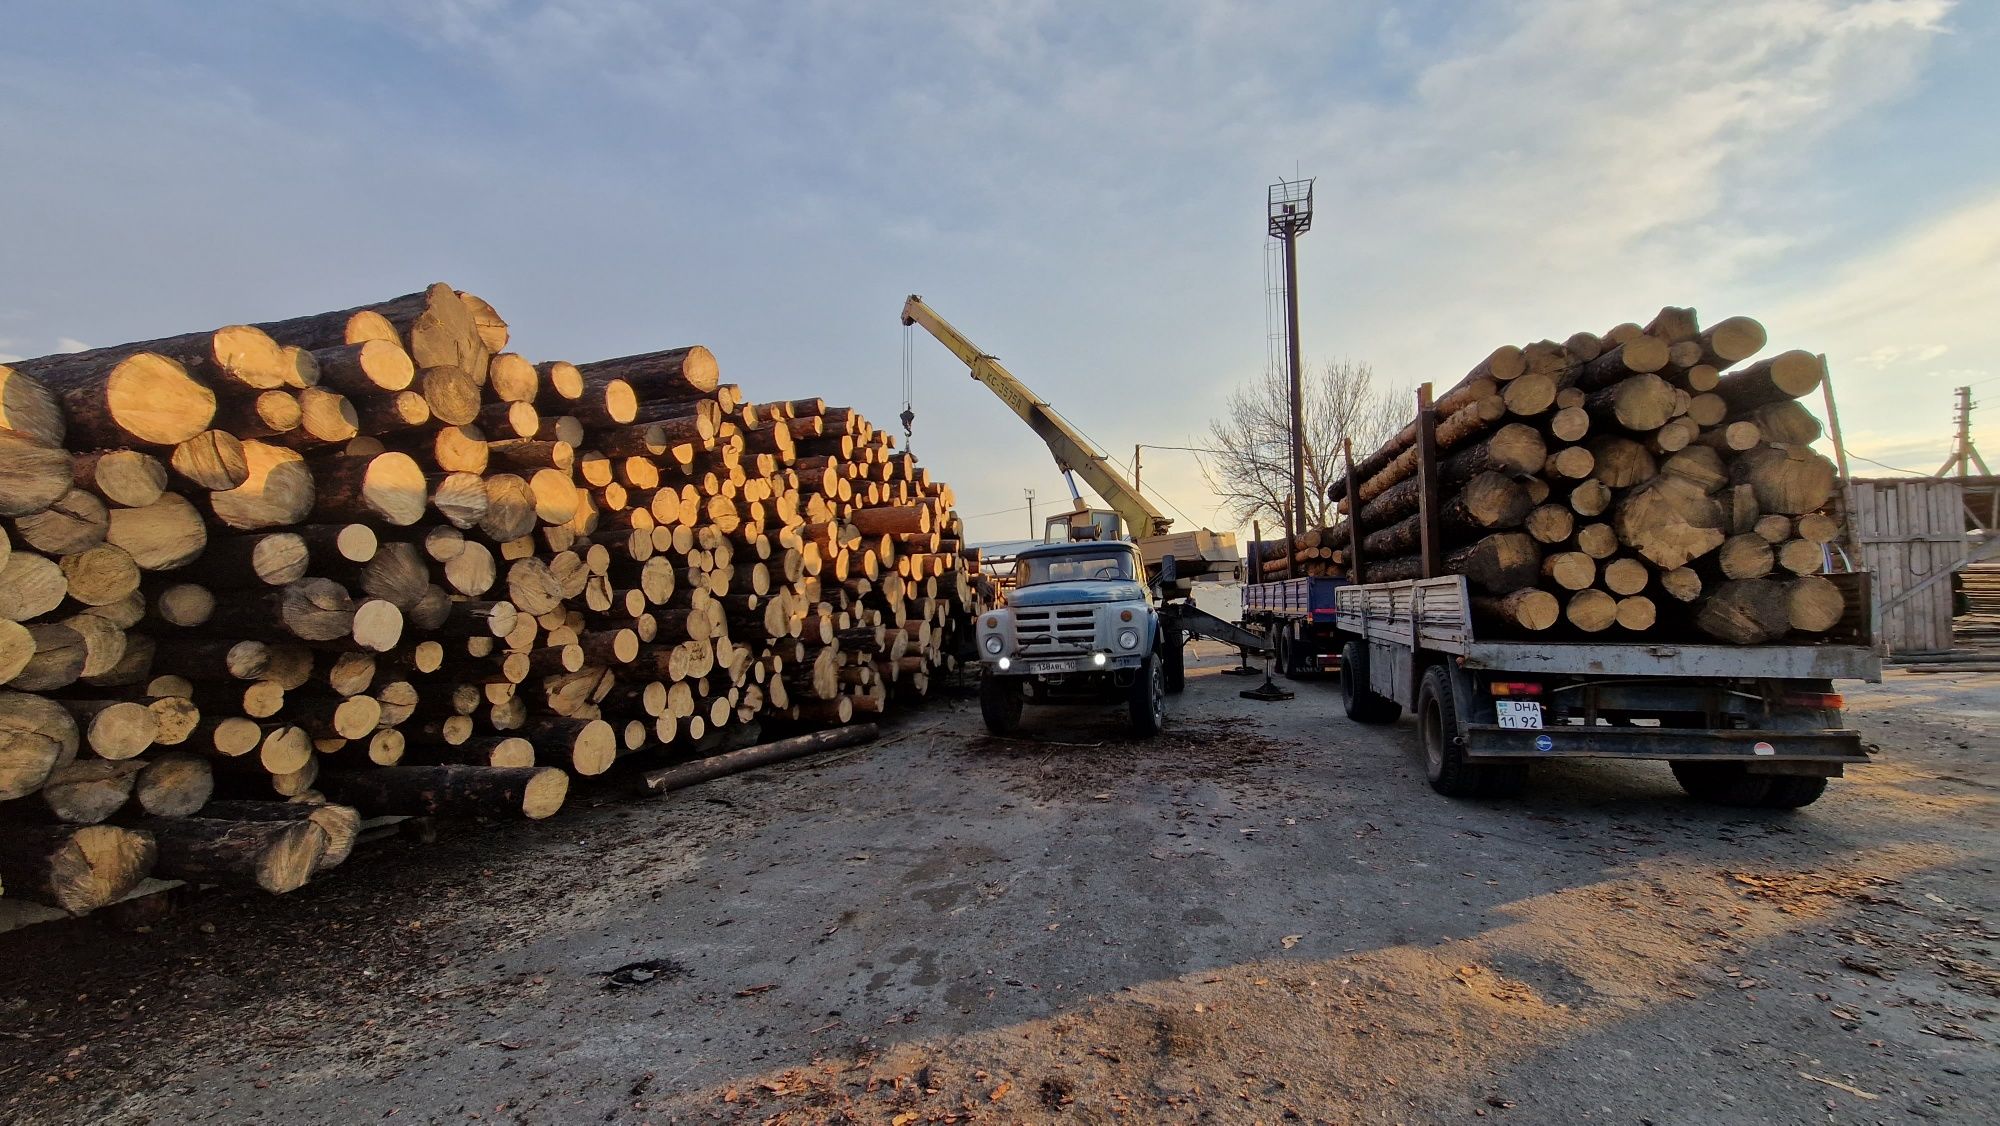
column 1289, row 211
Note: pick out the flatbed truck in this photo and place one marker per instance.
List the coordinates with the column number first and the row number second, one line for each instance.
column 1744, row 725
column 1297, row 615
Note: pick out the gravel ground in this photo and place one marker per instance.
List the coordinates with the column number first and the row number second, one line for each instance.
column 1263, row 916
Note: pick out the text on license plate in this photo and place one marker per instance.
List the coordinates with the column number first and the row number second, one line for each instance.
column 1067, row 666
column 1520, row 715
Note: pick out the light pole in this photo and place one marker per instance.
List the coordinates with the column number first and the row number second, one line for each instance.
column 1289, row 212
column 1030, row 494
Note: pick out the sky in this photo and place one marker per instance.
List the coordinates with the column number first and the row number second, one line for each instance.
column 1078, row 187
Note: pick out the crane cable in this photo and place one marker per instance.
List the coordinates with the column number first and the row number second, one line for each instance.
column 909, row 415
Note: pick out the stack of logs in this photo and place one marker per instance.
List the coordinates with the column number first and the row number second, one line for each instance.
column 259, row 583
column 1619, row 482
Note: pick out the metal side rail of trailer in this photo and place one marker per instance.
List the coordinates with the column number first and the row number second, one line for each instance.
column 1747, row 724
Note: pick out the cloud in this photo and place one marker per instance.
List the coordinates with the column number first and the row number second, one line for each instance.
column 1077, row 186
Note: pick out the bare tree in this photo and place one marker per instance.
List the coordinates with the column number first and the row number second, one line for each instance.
column 1249, row 462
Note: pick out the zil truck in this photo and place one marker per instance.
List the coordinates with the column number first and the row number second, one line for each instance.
column 1101, row 610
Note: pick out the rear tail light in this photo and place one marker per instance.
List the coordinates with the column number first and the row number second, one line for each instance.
column 1515, row 688
column 1825, row 701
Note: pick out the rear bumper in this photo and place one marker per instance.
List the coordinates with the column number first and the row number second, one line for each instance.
column 1833, row 745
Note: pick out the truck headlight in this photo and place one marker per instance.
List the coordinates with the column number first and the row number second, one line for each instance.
column 1004, row 663
column 1128, row 639
column 1098, row 658
column 994, row 644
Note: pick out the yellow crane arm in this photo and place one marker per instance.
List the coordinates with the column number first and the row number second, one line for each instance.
column 1073, row 452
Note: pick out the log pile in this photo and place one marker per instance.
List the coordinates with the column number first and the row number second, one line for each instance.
column 1653, row 480
column 261, row 582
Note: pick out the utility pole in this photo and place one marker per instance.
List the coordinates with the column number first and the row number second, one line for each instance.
column 1030, row 494
column 1135, row 467
column 1288, row 212
column 1964, row 455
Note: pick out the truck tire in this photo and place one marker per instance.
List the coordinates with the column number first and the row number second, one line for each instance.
column 1437, row 725
column 1281, row 652
column 1147, row 698
column 1173, row 653
column 1000, row 704
column 1724, row 783
column 1793, row 791
column 1363, row 705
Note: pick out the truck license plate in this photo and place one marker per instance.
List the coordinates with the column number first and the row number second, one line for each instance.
column 1064, row 666
column 1520, row 715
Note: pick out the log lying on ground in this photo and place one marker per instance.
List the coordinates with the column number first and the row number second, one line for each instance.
column 459, row 791
column 272, row 856
column 75, row 868
column 703, row 770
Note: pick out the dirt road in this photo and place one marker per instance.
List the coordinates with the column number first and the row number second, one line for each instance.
column 1263, row 917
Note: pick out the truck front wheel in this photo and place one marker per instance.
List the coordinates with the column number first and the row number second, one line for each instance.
column 1000, row 704
column 1147, row 699
column 1363, row 705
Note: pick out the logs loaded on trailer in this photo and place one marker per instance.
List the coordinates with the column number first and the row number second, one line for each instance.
column 262, row 582
column 1628, row 482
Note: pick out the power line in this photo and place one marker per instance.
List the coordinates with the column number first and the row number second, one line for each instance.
column 1886, row 465
column 997, row 512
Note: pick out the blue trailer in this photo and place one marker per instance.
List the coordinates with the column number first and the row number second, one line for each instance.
column 1298, row 616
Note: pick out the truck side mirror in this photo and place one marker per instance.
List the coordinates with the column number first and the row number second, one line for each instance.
column 1169, row 569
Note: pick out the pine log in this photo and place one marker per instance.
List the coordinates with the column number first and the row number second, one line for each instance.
column 29, row 412
column 37, row 736
column 1638, row 403
column 1516, row 448
column 127, row 478
column 1669, row 522
column 1626, row 576
column 76, row 521
column 1526, row 609
column 1818, row 527
column 174, row 784
column 534, row 792
column 1790, row 482
column 1570, row 424
column 388, row 487
column 435, row 324
column 1636, row 613
column 1700, row 466
column 277, row 490
column 1730, row 341
column 1746, row 611
column 32, row 476
column 1744, row 557
column 115, row 399
column 1813, row 604
column 1570, row 570
column 76, row 869
column 89, row 790
column 1682, row 584
column 166, row 534
column 1572, row 463
column 1640, row 355
column 1787, row 375
column 1801, row 557
column 1591, row 611
column 273, row 856
column 677, row 374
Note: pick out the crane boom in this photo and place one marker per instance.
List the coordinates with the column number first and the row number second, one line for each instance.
column 1073, row 452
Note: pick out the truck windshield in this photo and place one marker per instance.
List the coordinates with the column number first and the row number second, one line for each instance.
column 1072, row 567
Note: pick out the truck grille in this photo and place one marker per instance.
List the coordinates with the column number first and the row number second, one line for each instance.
column 1055, row 629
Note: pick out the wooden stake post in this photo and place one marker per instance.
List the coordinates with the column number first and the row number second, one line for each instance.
column 1427, row 485
column 1354, row 566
